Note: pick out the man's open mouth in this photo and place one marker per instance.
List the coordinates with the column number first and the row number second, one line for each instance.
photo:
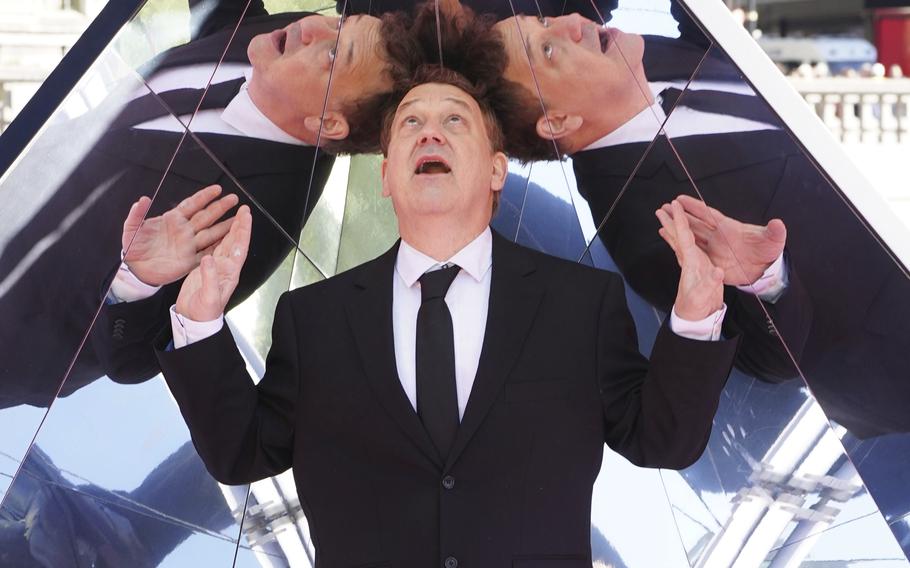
column 432, row 166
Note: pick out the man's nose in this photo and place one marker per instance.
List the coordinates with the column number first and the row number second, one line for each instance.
column 318, row 29
column 430, row 134
column 571, row 26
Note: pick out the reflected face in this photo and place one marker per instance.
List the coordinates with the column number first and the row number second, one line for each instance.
column 440, row 160
column 580, row 66
column 293, row 64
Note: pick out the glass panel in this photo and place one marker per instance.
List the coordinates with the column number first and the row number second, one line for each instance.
column 60, row 253
column 275, row 531
column 512, row 200
column 864, row 542
column 172, row 517
column 140, row 449
column 369, row 227
column 765, row 476
column 843, row 312
column 549, row 222
column 901, row 530
column 629, row 510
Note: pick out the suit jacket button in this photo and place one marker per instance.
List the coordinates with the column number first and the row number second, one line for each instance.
column 448, row 482
column 451, row 562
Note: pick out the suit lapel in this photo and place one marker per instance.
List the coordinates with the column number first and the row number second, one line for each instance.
column 514, row 298
column 370, row 315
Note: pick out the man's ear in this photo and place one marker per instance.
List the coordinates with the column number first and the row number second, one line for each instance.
column 556, row 124
column 334, row 126
column 385, row 188
column 500, row 171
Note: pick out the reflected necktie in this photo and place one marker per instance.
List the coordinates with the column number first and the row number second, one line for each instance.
column 180, row 101
column 750, row 107
column 437, row 395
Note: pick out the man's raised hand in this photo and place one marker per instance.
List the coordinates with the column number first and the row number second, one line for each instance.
column 742, row 250
column 701, row 288
column 163, row 249
column 207, row 289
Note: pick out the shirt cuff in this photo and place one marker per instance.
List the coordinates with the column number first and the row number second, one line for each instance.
column 127, row 287
column 772, row 283
column 707, row 329
column 187, row 331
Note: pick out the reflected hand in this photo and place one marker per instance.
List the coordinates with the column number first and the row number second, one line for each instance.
column 205, row 293
column 163, row 249
column 742, row 250
column 701, row 288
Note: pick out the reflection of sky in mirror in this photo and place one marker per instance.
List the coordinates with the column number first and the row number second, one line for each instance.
column 645, row 17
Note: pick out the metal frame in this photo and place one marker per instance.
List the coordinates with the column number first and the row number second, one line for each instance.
column 805, row 125
column 64, row 77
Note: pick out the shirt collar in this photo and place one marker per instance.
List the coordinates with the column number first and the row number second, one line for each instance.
column 243, row 114
column 475, row 259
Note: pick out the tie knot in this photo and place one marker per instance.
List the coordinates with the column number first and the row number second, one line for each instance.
column 435, row 284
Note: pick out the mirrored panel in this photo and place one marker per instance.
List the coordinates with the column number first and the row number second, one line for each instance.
column 842, row 332
column 901, row 529
column 765, row 476
column 864, row 542
column 619, row 102
column 156, row 469
column 629, row 506
column 54, row 517
column 59, row 256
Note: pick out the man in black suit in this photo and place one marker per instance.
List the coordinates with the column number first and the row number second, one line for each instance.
column 421, row 436
column 255, row 134
column 629, row 159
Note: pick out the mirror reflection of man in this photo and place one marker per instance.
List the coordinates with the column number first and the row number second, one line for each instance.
column 456, row 392
column 750, row 171
column 261, row 117
column 602, row 108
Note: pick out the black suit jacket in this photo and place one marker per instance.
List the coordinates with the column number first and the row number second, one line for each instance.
column 559, row 375
column 70, row 248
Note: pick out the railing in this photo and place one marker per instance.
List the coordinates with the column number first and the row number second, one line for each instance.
column 867, row 110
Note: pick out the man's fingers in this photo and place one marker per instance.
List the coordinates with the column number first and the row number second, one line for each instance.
column 699, row 228
column 213, row 212
column 700, row 210
column 235, row 244
column 136, row 214
column 242, row 229
column 208, row 238
column 776, row 231
column 196, row 202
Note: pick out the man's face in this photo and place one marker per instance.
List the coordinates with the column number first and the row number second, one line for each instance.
column 294, row 63
column 580, row 66
column 440, row 161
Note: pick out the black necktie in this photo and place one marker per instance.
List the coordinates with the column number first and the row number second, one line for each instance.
column 178, row 101
column 749, row 107
column 437, row 396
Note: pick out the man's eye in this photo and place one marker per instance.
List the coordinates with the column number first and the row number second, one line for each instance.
column 548, row 50
column 332, row 54
column 410, row 121
column 455, row 118
column 544, row 21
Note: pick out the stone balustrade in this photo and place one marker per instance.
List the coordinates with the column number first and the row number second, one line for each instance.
column 866, row 110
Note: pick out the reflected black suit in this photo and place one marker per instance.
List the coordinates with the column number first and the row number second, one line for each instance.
column 50, row 307
column 559, row 374
column 843, row 314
